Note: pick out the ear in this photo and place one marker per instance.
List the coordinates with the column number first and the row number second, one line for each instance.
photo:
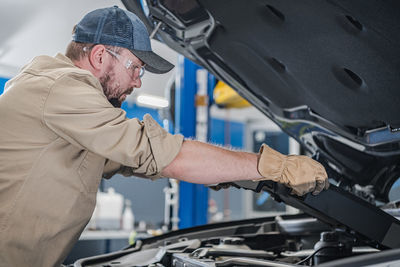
column 97, row 57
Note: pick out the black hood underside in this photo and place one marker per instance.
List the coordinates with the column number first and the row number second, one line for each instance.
column 339, row 58
column 326, row 72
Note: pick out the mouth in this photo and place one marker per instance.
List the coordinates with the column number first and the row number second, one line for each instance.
column 125, row 94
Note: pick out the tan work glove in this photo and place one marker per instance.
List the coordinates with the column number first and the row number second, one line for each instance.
column 301, row 173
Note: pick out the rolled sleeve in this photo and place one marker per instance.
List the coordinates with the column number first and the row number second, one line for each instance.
column 164, row 147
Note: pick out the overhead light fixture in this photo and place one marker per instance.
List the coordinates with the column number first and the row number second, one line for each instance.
column 152, row 101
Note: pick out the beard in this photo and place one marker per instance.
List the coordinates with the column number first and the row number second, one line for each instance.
column 109, row 90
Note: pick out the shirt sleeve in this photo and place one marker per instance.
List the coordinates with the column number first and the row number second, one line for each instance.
column 77, row 111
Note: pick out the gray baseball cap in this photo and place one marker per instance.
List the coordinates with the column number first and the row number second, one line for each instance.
column 117, row 27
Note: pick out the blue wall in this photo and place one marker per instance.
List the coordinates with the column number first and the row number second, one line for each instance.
column 228, row 133
column 2, row 83
column 134, row 111
column 231, row 134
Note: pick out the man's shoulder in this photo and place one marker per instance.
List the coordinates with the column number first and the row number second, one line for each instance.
column 54, row 67
column 60, row 71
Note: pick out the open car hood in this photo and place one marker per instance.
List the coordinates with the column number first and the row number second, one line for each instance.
column 327, row 73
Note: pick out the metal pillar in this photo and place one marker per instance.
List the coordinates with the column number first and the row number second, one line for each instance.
column 193, row 198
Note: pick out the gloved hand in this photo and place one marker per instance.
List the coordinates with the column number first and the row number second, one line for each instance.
column 301, row 173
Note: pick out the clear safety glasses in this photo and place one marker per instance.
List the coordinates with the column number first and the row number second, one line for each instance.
column 135, row 71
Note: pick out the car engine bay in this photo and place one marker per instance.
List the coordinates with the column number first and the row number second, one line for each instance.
column 282, row 240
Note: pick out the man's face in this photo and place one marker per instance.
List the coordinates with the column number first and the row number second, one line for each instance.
column 117, row 81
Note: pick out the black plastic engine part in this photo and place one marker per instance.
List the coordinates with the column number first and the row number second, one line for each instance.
column 330, row 248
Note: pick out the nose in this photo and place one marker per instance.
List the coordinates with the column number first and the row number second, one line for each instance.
column 137, row 83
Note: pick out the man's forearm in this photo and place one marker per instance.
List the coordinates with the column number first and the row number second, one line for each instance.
column 203, row 163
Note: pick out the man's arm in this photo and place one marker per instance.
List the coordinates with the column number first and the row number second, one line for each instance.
column 207, row 164
column 203, row 163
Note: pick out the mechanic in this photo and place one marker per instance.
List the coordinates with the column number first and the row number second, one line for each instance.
column 62, row 130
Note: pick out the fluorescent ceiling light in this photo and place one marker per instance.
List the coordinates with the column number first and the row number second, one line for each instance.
column 152, row 101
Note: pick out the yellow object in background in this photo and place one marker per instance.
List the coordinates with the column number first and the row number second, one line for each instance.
column 132, row 237
column 226, row 97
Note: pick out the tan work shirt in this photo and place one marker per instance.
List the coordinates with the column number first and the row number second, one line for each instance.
column 58, row 136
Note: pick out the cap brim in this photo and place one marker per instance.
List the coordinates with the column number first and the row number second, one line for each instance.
column 154, row 63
